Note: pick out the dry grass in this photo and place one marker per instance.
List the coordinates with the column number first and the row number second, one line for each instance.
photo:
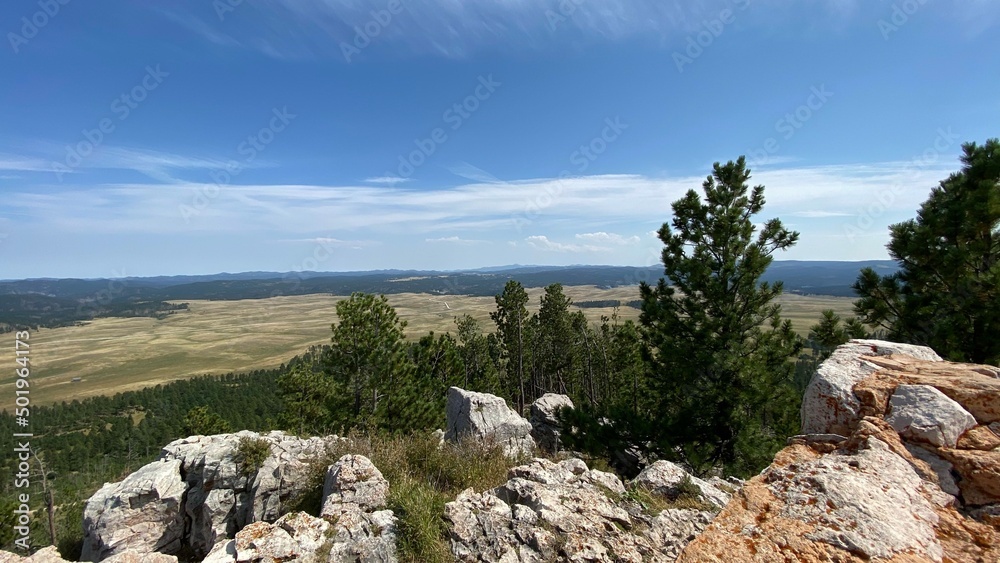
column 115, row 355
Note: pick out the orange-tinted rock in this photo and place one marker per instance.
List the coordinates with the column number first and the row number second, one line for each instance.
column 967, row 384
column 980, row 471
column 864, row 502
column 979, row 438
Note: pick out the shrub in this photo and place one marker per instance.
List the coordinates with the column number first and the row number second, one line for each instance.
column 251, row 454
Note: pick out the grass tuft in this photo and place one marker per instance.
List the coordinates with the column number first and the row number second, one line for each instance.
column 423, row 475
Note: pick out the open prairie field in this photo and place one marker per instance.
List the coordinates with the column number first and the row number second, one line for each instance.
column 111, row 355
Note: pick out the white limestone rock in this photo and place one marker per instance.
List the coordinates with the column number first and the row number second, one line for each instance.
column 924, row 414
column 663, row 477
column 142, row 512
column 353, row 480
column 487, row 418
column 829, row 405
column 545, row 426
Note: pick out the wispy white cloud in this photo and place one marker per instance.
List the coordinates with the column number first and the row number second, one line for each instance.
column 607, row 238
column 330, row 242
column 293, row 29
column 882, row 192
column 389, row 180
column 542, row 242
column 456, row 240
column 48, row 157
column 818, row 214
column 24, row 163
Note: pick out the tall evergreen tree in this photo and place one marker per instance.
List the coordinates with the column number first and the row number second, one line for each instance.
column 830, row 332
column 511, row 318
column 480, row 357
column 555, row 341
column 714, row 337
column 305, row 393
column 946, row 294
column 367, row 358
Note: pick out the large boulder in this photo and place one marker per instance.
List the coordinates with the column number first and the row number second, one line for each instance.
column 196, row 494
column 829, row 405
column 545, row 425
column 143, row 512
column 293, row 537
column 900, row 463
column 548, row 511
column 922, row 413
column 487, row 418
column 869, row 499
column 353, row 480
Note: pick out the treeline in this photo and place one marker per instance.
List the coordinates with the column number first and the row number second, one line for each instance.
column 32, row 311
column 606, row 303
column 371, row 376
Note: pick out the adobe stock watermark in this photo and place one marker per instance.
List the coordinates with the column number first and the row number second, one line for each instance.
column 223, row 7
column 455, row 116
column 250, row 148
column 582, row 157
column 885, row 198
column 322, row 252
column 901, row 13
column 116, row 285
column 789, row 124
column 122, row 107
column 363, row 35
column 711, row 30
column 566, row 10
column 33, row 24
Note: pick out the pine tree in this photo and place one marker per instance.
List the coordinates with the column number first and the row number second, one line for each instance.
column 830, row 332
column 480, row 357
column 305, row 392
column 946, row 294
column 204, row 421
column 714, row 337
column 367, row 359
column 555, row 341
column 511, row 318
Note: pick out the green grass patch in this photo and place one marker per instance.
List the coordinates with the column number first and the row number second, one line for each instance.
column 423, row 476
column 686, row 496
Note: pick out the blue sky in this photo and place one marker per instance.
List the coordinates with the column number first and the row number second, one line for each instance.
column 142, row 138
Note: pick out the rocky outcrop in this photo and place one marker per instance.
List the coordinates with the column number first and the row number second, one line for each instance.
column 900, row 462
column 666, row 478
column 142, row 512
column 300, row 537
column 901, row 465
column 353, row 481
column 196, row 494
column 349, row 529
column 487, row 418
column 548, row 511
column 545, row 425
column 51, row 555
column 829, row 405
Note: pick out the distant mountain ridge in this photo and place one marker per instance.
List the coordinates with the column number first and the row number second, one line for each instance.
column 60, row 302
column 799, row 276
